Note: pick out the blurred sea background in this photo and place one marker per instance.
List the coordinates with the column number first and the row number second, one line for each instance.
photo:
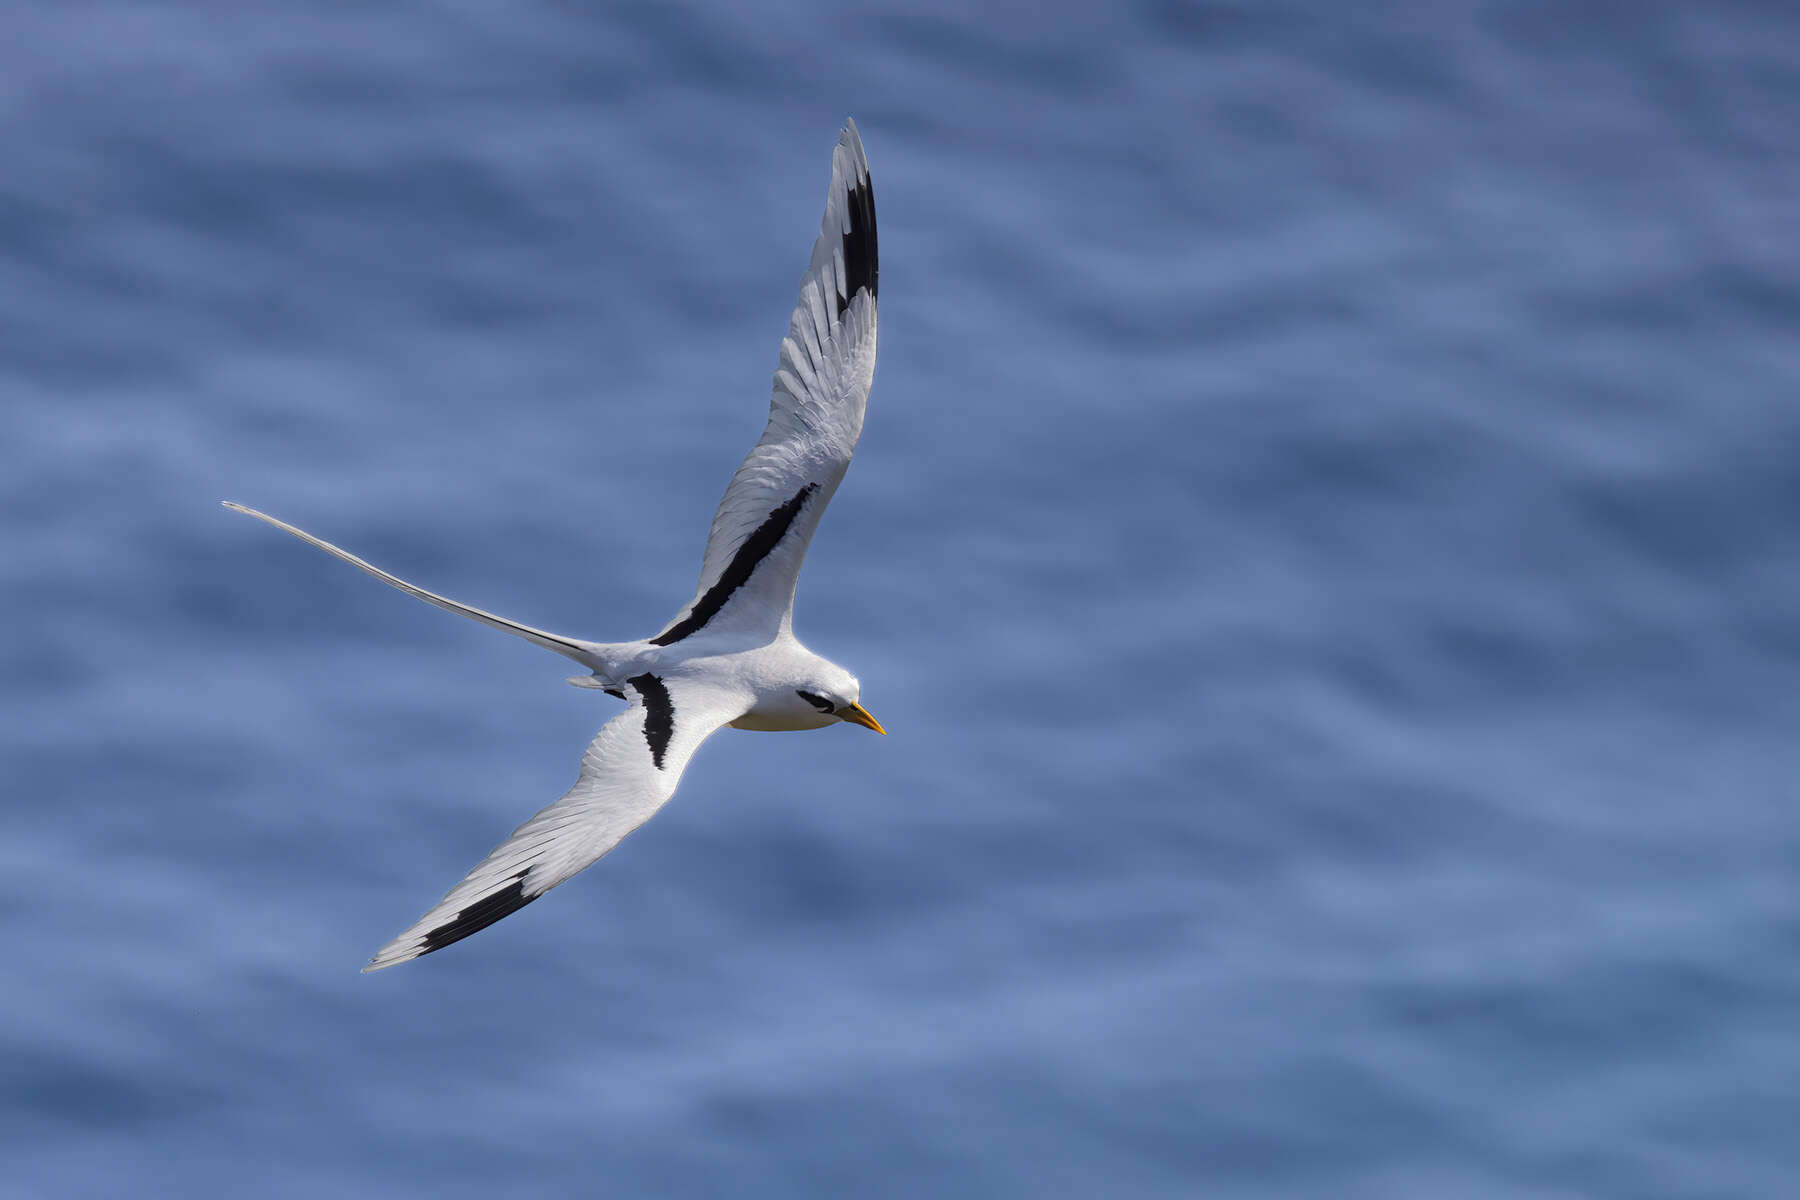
column 1323, row 543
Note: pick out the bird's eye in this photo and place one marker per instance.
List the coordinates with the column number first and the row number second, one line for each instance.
column 817, row 701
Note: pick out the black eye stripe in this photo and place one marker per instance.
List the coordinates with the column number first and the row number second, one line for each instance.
column 817, row 701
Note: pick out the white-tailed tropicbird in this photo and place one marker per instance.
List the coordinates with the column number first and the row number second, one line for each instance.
column 730, row 657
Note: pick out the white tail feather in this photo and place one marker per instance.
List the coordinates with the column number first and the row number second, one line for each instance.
column 582, row 652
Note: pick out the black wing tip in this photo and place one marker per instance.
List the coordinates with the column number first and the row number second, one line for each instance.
column 479, row 915
column 862, row 259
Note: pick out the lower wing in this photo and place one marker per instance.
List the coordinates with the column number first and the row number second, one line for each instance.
column 629, row 771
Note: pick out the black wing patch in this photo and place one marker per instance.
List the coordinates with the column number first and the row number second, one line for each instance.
column 659, row 715
column 862, row 264
column 758, row 546
column 479, row 915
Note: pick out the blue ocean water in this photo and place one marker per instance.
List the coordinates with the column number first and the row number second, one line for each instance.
column 1323, row 544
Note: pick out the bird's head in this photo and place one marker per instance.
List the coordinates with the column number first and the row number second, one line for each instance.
column 838, row 696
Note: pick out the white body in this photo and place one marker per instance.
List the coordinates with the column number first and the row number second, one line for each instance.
column 761, row 676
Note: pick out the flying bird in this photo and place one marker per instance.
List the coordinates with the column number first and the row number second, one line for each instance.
column 729, row 657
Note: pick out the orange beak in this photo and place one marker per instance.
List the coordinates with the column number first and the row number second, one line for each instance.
column 856, row 714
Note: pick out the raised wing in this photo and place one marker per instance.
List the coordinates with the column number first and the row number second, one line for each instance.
column 766, row 520
column 629, row 771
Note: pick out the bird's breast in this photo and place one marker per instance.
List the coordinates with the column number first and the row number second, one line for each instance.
column 782, row 720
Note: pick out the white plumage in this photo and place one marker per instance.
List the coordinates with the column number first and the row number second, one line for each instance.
column 816, row 409
column 729, row 657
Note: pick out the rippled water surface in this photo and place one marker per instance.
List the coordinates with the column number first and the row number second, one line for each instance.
column 1323, row 544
